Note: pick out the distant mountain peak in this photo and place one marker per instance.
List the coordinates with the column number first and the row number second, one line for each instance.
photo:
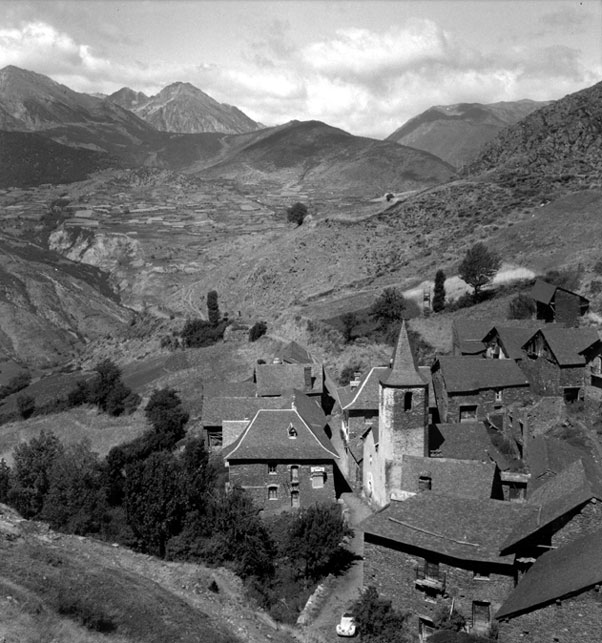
column 457, row 132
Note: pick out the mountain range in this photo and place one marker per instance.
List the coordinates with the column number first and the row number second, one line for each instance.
column 456, row 133
column 183, row 108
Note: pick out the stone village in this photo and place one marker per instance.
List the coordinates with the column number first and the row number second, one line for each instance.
column 480, row 504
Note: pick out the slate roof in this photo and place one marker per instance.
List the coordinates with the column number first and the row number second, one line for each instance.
column 512, row 338
column 462, row 441
column 468, row 335
column 403, row 370
column 294, row 353
column 274, row 379
column 267, row 438
column 549, row 455
column 543, row 292
column 572, row 487
column 310, row 410
column 568, row 344
column 366, row 395
column 460, row 528
column 465, row 478
column 570, row 569
column 464, row 374
column 217, row 409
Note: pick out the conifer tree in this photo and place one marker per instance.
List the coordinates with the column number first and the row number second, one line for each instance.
column 213, row 314
column 439, row 292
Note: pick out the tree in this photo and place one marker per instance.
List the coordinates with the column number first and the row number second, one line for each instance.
column 198, row 333
column 33, row 461
column 258, row 330
column 26, row 405
column 154, row 501
column 377, row 621
column 108, row 391
column 75, row 502
column 439, row 292
column 349, row 321
column 296, row 213
column 165, row 413
column 389, row 307
column 213, row 314
column 5, row 480
column 521, row 307
column 479, row 267
column 315, row 535
column 446, row 619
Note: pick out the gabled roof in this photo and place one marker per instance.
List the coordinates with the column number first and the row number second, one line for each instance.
column 293, row 353
column 403, row 370
column 468, row 335
column 462, row 441
column 464, row 478
column 511, row 338
column 545, row 292
column 567, row 344
column 267, row 438
column 461, row 528
column 274, row 379
column 366, row 395
column 465, row 374
column 571, row 488
column 217, row 409
column 570, row 569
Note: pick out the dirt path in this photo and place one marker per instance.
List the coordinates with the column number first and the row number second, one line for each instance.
column 344, row 589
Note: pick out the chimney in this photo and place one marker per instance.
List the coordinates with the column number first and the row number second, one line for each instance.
column 355, row 382
column 307, row 375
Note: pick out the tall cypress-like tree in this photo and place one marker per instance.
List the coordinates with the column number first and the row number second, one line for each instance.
column 213, row 314
column 439, row 292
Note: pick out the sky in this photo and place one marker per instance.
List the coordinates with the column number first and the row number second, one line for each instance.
column 366, row 66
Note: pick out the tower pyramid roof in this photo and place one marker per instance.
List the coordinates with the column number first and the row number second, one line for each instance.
column 403, row 370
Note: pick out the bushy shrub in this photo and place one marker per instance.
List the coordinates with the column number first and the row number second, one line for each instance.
column 296, row 213
column 16, row 384
column 257, row 330
column 198, row 333
column 377, row 621
column 26, row 405
column 389, row 306
column 521, row 307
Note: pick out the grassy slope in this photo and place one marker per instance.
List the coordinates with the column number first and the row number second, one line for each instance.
column 144, row 599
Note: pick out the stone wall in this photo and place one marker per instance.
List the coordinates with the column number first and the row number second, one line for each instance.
column 256, row 480
column 575, row 620
column 485, row 401
column 585, row 521
column 393, row 572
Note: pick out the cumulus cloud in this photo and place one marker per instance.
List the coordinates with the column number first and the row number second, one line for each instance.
column 364, row 81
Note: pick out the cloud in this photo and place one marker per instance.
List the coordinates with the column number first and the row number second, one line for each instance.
column 571, row 20
column 366, row 82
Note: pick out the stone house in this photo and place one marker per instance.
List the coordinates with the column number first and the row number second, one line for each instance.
column 469, row 389
column 506, row 342
column 559, row 359
column 467, row 336
column 433, row 549
column 277, row 379
column 559, row 598
column 283, row 460
column 556, row 304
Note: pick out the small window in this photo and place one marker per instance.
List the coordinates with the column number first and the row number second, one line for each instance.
column 317, row 480
column 481, row 576
column 425, row 483
column 294, row 474
column 295, row 499
column 468, row 413
column 431, row 570
column 407, row 401
column 292, row 432
column 272, row 469
column 498, row 396
column 273, row 493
